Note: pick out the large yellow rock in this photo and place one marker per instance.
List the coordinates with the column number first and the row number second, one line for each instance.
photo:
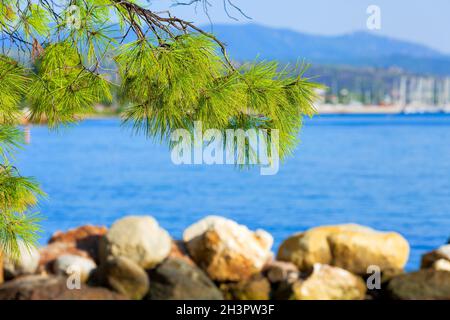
column 308, row 248
column 351, row 247
column 329, row 283
column 356, row 251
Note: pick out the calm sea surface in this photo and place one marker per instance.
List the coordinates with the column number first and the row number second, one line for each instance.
column 387, row 172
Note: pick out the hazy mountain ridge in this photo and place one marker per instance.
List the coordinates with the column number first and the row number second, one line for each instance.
column 247, row 41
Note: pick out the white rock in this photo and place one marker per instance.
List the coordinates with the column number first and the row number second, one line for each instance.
column 226, row 250
column 27, row 261
column 138, row 238
column 444, row 251
column 431, row 258
column 68, row 265
column 442, row 265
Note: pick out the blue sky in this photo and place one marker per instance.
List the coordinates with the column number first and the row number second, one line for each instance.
column 421, row 21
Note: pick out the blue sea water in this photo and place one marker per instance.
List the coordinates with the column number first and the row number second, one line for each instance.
column 387, row 172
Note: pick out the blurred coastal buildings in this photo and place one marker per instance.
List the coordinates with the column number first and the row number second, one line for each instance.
column 422, row 91
column 388, row 88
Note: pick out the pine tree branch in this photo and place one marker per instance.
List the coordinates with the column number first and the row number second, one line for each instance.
column 165, row 24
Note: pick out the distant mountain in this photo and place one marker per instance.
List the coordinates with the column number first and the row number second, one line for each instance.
column 247, row 41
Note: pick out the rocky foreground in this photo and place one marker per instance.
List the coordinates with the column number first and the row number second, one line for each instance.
column 220, row 259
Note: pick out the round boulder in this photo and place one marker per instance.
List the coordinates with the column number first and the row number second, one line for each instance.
column 226, row 250
column 351, row 247
column 126, row 277
column 176, row 279
column 137, row 238
column 307, row 248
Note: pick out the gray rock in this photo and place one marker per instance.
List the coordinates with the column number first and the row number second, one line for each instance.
column 175, row 279
column 426, row 284
column 126, row 277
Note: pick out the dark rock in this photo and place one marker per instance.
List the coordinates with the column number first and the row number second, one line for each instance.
column 427, row 284
column 255, row 288
column 283, row 291
column 176, row 279
column 38, row 287
column 126, row 277
column 380, row 293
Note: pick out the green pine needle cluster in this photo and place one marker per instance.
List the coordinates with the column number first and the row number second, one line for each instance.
column 171, row 86
column 14, row 82
column 18, row 194
column 62, row 87
column 168, row 77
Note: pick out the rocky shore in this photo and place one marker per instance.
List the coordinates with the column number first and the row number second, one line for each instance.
column 219, row 259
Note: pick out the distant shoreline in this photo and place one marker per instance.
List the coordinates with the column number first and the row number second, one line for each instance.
column 329, row 109
column 323, row 109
